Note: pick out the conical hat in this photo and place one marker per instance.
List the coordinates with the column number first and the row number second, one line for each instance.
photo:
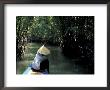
column 43, row 50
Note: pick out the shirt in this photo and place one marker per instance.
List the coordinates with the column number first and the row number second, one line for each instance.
column 37, row 60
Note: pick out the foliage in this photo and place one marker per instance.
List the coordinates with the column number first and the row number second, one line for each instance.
column 22, row 29
column 74, row 34
column 45, row 30
column 78, row 36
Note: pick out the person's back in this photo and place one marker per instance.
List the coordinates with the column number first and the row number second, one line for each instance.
column 41, row 62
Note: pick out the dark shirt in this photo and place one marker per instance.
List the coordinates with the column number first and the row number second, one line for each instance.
column 40, row 63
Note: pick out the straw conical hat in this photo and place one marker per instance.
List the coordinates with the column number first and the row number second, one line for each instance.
column 43, row 50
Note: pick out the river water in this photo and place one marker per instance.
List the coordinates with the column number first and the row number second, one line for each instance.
column 58, row 63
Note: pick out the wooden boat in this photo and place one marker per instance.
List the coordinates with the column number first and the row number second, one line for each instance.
column 28, row 71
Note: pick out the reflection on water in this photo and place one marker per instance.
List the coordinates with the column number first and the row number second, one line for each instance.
column 60, row 64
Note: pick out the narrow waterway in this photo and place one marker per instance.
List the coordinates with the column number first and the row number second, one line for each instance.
column 58, row 63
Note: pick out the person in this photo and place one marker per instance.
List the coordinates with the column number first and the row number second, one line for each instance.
column 41, row 62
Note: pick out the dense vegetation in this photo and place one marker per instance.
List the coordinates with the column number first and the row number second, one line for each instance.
column 73, row 34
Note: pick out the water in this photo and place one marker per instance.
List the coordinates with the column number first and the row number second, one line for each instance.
column 58, row 63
